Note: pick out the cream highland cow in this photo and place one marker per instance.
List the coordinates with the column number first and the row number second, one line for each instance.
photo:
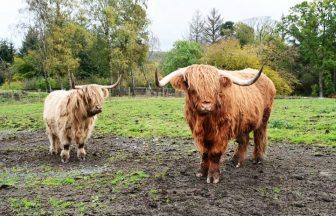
column 70, row 117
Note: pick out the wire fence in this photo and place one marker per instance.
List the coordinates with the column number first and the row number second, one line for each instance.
column 33, row 95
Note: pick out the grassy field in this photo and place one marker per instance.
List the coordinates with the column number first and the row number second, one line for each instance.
column 310, row 121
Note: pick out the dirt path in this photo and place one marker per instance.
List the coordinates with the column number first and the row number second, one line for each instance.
column 136, row 176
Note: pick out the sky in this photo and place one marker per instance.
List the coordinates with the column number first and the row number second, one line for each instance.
column 169, row 18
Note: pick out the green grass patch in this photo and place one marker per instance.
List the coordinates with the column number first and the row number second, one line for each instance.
column 25, row 207
column 122, row 179
column 309, row 121
column 56, row 181
column 59, row 204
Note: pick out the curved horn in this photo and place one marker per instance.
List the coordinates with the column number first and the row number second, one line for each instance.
column 166, row 79
column 239, row 81
column 112, row 86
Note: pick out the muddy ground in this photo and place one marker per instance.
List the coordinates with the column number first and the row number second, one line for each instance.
column 142, row 176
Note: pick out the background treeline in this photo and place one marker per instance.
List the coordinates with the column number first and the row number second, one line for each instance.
column 102, row 39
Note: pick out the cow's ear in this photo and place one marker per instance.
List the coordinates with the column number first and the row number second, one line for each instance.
column 179, row 83
column 105, row 92
column 225, row 82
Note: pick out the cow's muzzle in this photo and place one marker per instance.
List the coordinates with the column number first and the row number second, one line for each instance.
column 205, row 107
column 95, row 111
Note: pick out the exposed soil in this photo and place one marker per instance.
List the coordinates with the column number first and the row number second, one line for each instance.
column 141, row 176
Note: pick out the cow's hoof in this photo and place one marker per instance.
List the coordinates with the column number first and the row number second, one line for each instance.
column 65, row 155
column 202, row 173
column 65, row 160
column 81, row 154
column 81, row 158
column 258, row 160
column 214, row 178
column 236, row 161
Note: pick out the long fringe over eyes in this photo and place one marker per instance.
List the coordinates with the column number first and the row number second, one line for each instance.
column 204, row 79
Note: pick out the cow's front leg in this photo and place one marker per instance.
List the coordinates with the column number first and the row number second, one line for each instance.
column 203, row 171
column 65, row 153
column 215, row 152
column 214, row 172
column 81, row 153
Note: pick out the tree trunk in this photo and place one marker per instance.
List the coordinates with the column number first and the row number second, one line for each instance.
column 321, row 83
column 133, row 83
column 148, row 84
column 46, row 78
column 334, row 80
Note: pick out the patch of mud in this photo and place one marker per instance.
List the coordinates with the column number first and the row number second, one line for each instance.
column 156, row 176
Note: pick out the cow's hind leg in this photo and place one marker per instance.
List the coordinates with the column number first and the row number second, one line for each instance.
column 52, row 141
column 240, row 154
column 203, row 171
column 260, row 138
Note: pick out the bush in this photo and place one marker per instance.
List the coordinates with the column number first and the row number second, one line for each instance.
column 228, row 54
column 16, row 85
column 183, row 54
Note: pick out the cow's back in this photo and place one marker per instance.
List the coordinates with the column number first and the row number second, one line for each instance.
column 53, row 104
column 251, row 102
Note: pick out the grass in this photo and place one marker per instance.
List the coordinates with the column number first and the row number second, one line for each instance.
column 24, row 205
column 309, row 121
column 123, row 179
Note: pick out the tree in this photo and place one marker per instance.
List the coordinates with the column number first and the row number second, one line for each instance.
column 212, row 27
column 244, row 33
column 184, row 53
column 196, row 27
column 263, row 27
column 123, row 25
column 6, row 59
column 227, row 29
column 30, row 41
column 310, row 26
column 229, row 55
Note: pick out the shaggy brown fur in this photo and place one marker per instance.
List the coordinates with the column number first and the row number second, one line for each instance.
column 232, row 113
column 70, row 117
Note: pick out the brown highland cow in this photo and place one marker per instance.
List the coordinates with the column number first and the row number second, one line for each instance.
column 222, row 105
column 70, row 116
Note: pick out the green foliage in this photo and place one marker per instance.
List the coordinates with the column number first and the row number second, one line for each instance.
column 310, row 26
column 16, row 85
column 230, row 55
column 6, row 51
column 30, row 42
column 244, row 33
column 183, row 54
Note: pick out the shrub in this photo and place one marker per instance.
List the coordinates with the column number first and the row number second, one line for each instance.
column 229, row 55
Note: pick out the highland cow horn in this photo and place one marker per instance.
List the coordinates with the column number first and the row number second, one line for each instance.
column 169, row 77
column 238, row 81
column 113, row 85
